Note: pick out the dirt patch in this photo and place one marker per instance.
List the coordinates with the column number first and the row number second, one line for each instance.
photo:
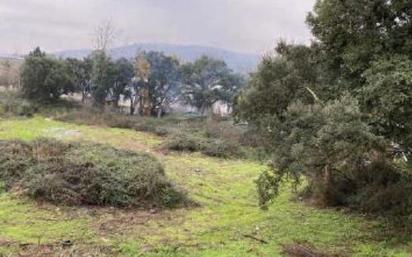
column 62, row 133
column 62, row 248
column 122, row 221
column 307, row 250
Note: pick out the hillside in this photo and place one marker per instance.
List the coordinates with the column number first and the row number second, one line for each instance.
column 239, row 62
column 227, row 222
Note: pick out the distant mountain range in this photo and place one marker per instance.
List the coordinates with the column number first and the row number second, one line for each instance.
column 10, row 57
column 239, row 62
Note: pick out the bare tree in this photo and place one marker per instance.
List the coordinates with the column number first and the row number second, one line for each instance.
column 105, row 34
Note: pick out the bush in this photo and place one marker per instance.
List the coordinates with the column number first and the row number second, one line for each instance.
column 222, row 149
column 190, row 142
column 382, row 188
column 86, row 174
column 185, row 142
column 213, row 138
column 344, row 163
column 162, row 131
column 92, row 116
column 11, row 104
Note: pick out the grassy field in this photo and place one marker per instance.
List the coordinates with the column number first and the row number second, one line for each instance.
column 227, row 222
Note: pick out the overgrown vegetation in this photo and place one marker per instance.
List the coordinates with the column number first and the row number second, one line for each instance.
column 208, row 146
column 213, row 137
column 337, row 113
column 345, row 163
column 228, row 211
column 334, row 115
column 11, row 104
column 149, row 84
column 44, row 79
column 86, row 174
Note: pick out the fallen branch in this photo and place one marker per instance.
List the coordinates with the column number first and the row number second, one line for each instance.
column 255, row 238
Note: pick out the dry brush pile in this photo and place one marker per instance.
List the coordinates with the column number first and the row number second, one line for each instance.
column 86, row 174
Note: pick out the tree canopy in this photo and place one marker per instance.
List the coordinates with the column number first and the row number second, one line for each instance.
column 43, row 78
column 333, row 111
column 207, row 81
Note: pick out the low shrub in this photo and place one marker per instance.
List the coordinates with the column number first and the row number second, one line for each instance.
column 222, row 149
column 91, row 116
column 185, row 142
column 86, row 174
column 381, row 187
column 95, row 117
column 190, row 142
column 162, row 131
column 191, row 134
column 11, row 104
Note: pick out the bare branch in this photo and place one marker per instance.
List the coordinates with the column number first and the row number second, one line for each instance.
column 105, row 34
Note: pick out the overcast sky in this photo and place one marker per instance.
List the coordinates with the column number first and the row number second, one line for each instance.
column 241, row 25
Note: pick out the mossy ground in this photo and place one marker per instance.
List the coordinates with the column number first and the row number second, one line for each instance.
column 227, row 215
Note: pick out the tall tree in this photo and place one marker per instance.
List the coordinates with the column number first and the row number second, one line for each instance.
column 207, row 81
column 280, row 80
column 123, row 74
column 156, row 81
column 330, row 112
column 387, row 98
column 81, row 71
column 163, row 80
column 44, row 79
column 102, row 77
column 365, row 44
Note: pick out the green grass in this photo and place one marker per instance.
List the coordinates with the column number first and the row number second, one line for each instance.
column 228, row 210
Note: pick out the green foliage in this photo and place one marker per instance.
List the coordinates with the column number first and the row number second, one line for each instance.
column 207, row 81
column 343, row 161
column 228, row 211
column 163, row 80
column 222, row 149
column 84, row 174
column 353, row 33
column 214, row 138
column 81, row 73
column 123, row 72
column 12, row 104
column 157, row 77
column 279, row 81
column 185, row 142
column 44, row 79
column 102, row 76
column 387, row 97
column 363, row 46
column 192, row 142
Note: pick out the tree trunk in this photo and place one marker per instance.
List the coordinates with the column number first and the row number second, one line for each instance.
column 83, row 97
column 132, row 106
column 159, row 113
column 328, row 196
column 116, row 104
column 205, row 110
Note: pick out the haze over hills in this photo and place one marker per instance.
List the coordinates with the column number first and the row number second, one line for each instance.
column 239, row 62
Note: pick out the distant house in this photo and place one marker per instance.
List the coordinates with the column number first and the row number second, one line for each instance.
column 219, row 108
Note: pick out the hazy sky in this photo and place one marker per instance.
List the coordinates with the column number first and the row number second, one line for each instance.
column 242, row 25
